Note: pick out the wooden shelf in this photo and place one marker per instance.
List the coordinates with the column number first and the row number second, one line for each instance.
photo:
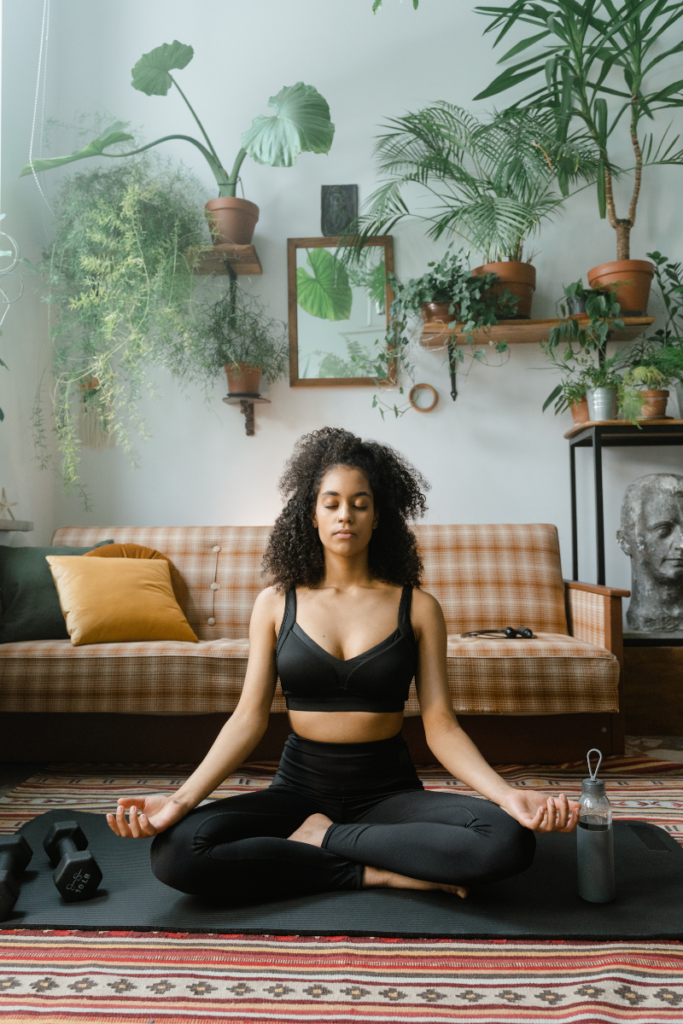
column 642, row 422
column 523, row 332
column 215, row 259
column 22, row 525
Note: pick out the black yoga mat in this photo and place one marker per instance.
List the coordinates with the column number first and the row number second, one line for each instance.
column 541, row 903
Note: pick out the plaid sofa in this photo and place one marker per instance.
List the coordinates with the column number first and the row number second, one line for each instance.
column 483, row 576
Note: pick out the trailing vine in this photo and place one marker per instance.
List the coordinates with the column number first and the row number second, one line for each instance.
column 119, row 281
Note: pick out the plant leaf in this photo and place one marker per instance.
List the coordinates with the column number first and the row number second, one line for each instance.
column 109, row 137
column 327, row 294
column 3, row 363
column 2, row 415
column 151, row 73
column 301, row 123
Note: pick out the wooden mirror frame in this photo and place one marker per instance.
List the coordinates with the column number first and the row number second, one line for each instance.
column 387, row 243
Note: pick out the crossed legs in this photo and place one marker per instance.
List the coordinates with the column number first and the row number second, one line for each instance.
column 238, row 849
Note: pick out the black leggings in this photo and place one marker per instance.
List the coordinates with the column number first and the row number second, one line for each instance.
column 236, row 849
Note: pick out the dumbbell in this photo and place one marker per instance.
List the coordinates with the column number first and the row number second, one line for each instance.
column 77, row 874
column 15, row 853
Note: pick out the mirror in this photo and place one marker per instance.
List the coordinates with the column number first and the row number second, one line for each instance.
column 336, row 313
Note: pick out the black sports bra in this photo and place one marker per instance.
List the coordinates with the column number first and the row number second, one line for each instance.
column 377, row 680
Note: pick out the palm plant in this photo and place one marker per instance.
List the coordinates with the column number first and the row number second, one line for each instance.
column 578, row 48
column 493, row 182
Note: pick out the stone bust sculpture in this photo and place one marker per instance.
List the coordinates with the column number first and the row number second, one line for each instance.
column 651, row 533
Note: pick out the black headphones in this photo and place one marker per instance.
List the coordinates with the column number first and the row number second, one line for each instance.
column 509, row 633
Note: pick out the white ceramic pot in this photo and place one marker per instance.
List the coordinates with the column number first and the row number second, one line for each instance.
column 602, row 403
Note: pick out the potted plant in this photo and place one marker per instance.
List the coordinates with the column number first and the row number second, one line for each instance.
column 493, row 182
column 604, row 387
column 574, row 50
column 301, row 122
column 448, row 290
column 236, row 334
column 119, row 285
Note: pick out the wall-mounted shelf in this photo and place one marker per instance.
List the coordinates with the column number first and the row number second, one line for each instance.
column 21, row 525
column 246, row 403
column 524, row 332
column 243, row 259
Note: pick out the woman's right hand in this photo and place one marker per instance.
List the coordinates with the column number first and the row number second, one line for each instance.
column 146, row 815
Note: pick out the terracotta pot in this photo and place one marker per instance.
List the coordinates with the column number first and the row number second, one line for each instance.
column 630, row 282
column 231, row 220
column 243, row 379
column 579, row 411
column 518, row 278
column 438, row 311
column 655, row 404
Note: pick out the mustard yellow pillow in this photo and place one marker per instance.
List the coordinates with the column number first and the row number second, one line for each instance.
column 110, row 600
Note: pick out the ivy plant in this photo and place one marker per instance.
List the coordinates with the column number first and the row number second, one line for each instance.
column 300, row 123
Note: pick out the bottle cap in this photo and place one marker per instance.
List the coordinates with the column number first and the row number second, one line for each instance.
column 592, row 787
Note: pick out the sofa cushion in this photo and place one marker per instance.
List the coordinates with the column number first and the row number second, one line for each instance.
column 30, row 605
column 552, row 675
column 488, row 576
column 140, row 551
column 117, row 600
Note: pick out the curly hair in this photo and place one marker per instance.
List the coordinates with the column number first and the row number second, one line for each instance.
column 295, row 556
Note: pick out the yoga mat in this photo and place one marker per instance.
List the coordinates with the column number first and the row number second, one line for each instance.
column 541, row 903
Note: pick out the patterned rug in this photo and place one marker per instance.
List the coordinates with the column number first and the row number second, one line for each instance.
column 154, row 977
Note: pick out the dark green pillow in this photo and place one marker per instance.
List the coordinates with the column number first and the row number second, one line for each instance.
column 30, row 605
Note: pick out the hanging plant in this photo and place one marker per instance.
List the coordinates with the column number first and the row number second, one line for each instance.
column 119, row 281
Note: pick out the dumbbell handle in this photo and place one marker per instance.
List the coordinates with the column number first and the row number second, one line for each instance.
column 8, row 863
column 65, row 847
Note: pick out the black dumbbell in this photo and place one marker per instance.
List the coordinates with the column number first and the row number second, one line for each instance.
column 77, row 874
column 15, row 853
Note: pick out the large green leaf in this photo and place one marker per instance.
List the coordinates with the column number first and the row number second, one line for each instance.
column 151, row 73
column 109, row 137
column 327, row 294
column 301, row 122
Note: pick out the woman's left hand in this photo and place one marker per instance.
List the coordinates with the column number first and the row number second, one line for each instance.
column 542, row 813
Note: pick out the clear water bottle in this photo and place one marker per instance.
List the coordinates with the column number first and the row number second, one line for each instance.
column 595, row 839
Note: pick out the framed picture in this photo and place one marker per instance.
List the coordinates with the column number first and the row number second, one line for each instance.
column 336, row 312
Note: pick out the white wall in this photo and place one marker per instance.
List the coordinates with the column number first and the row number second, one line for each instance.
column 24, row 344
column 492, row 456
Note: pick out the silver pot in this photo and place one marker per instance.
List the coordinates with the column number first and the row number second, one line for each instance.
column 602, row 403
column 678, row 388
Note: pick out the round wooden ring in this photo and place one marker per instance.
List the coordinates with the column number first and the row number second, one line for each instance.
column 423, row 387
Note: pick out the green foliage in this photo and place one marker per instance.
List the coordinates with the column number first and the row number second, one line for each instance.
column 492, row 182
column 659, row 357
column 151, row 74
column 371, row 275
column 301, row 122
column 326, row 293
column 574, row 51
column 471, row 302
column 602, row 310
column 119, row 280
column 234, row 329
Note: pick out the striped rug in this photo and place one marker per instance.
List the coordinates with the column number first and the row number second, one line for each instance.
column 154, row 977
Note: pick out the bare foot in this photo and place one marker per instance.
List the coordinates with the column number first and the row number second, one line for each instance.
column 376, row 878
column 312, row 831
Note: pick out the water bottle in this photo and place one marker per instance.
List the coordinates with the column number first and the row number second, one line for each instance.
column 595, row 839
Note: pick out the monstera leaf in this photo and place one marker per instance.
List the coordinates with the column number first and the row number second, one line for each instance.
column 327, row 294
column 301, row 122
column 109, row 137
column 151, row 73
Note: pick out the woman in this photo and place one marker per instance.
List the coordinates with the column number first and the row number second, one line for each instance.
column 345, row 627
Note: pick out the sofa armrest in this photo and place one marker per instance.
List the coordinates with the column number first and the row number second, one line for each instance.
column 594, row 615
